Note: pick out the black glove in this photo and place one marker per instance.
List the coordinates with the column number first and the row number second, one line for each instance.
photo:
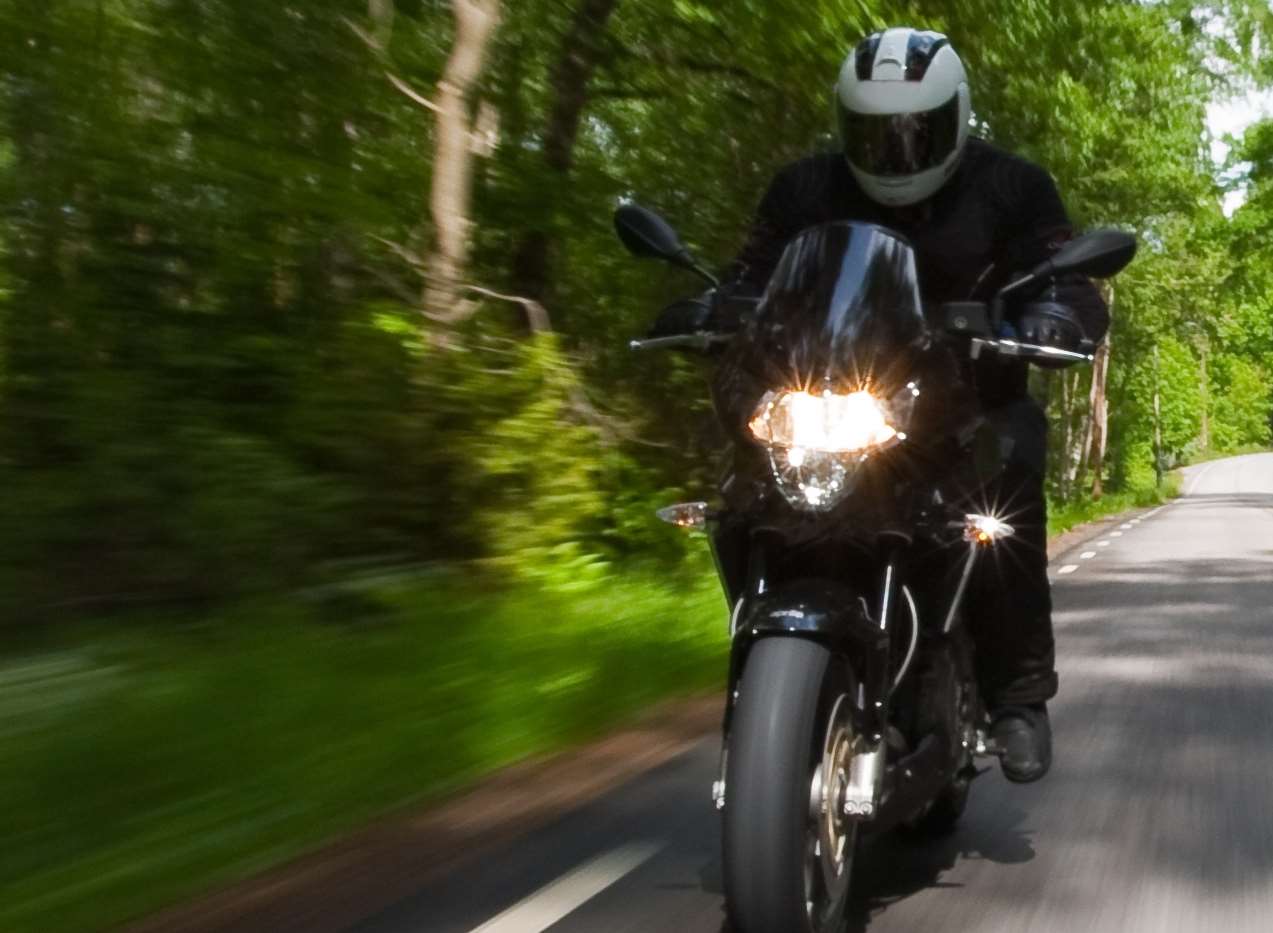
column 733, row 304
column 1051, row 324
column 687, row 316
column 718, row 311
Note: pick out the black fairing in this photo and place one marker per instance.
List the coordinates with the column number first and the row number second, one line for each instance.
column 842, row 311
column 822, row 609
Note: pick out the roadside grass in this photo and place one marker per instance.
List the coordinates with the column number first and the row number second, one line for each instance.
column 1062, row 516
column 1206, row 456
column 147, row 761
column 143, row 763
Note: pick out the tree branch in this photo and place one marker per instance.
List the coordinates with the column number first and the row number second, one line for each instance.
column 402, row 252
column 365, row 37
column 536, row 313
column 412, row 93
column 693, row 64
column 377, row 48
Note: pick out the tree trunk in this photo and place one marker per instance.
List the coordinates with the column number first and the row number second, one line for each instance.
column 1158, row 464
column 1076, row 434
column 1083, row 451
column 1099, row 405
column 451, row 194
column 1067, row 429
column 577, row 60
column 1204, row 380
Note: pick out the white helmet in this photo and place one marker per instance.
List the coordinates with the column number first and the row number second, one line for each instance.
column 904, row 106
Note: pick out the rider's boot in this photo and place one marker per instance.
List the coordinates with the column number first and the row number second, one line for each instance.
column 1023, row 736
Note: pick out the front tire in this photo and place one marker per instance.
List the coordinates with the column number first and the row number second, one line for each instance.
column 788, row 849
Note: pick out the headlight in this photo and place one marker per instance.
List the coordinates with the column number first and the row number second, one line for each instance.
column 817, row 443
column 826, row 423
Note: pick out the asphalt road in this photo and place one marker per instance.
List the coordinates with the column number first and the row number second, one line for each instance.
column 1157, row 816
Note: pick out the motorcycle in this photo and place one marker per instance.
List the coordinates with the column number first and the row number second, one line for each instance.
column 848, row 530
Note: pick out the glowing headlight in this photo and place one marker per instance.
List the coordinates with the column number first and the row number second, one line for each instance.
column 826, row 423
column 817, row 443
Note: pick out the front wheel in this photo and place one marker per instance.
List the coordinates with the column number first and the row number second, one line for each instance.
column 788, row 848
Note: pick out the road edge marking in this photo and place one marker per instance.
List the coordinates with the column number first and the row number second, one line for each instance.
column 558, row 899
column 1197, row 478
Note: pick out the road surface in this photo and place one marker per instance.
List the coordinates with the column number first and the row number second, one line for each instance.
column 1157, row 816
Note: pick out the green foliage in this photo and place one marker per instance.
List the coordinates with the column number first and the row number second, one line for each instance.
column 521, row 459
column 1243, row 394
column 215, row 747
column 213, row 380
column 1142, row 492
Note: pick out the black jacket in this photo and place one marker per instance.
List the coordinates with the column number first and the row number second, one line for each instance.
column 998, row 214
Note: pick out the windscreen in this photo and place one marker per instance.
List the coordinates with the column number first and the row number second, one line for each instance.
column 842, row 307
column 842, row 312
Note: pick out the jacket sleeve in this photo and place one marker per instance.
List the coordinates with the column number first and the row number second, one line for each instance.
column 772, row 228
column 1041, row 227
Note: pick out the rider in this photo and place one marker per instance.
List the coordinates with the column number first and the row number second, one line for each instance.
column 975, row 215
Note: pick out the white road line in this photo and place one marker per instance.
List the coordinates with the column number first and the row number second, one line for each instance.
column 1102, row 544
column 1115, row 534
column 1127, row 526
column 1197, row 478
column 1087, row 555
column 1068, row 568
column 550, row 904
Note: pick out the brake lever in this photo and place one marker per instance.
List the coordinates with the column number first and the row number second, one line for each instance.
column 1027, row 351
column 700, row 341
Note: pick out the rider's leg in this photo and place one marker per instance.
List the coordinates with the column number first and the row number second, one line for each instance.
column 1011, row 605
column 1012, row 600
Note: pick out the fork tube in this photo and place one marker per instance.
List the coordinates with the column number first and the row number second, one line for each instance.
column 958, row 599
column 877, row 679
column 758, row 567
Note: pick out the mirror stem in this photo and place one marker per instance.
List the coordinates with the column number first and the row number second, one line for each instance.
column 685, row 260
column 1001, row 298
column 996, row 316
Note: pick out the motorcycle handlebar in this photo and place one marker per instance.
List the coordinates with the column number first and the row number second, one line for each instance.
column 702, row 341
column 1028, row 351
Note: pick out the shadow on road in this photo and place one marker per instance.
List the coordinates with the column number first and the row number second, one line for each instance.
column 895, row 866
column 1164, row 747
column 892, row 867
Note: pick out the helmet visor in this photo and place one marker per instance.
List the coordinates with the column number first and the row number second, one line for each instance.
column 902, row 144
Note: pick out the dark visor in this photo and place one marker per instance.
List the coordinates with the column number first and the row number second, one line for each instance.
column 897, row 145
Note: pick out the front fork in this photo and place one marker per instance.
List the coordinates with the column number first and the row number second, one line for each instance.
column 868, row 770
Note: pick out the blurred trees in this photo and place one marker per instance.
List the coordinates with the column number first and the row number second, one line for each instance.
column 231, row 353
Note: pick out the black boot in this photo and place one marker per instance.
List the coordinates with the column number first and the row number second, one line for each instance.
column 1024, row 736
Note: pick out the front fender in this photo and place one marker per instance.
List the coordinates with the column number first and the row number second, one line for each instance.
column 820, row 609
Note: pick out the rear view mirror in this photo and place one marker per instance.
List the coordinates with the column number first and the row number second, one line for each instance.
column 646, row 234
column 649, row 236
column 1100, row 254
